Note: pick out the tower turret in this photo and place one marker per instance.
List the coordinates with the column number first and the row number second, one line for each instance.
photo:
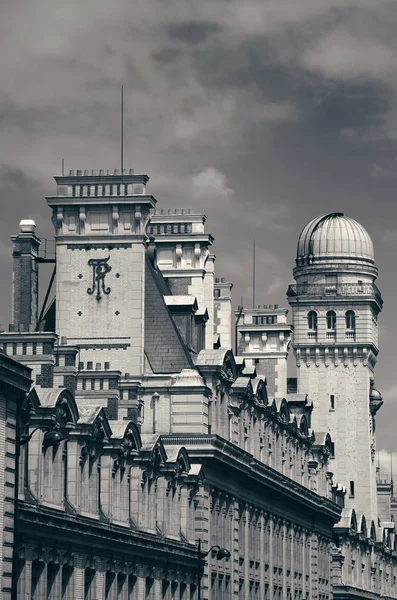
column 100, row 223
column 335, row 305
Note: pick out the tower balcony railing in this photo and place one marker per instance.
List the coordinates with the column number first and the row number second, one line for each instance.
column 335, row 289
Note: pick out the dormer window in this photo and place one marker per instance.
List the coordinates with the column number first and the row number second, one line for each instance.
column 312, row 320
column 331, row 319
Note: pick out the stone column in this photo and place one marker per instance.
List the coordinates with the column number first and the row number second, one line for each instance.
column 262, row 526
column 78, row 576
column 293, row 536
column 141, row 582
column 285, row 541
column 304, row 565
column 109, row 485
column 24, row 585
column 271, row 558
column 158, row 582
column 99, row 579
column 314, row 566
column 246, row 559
column 184, row 511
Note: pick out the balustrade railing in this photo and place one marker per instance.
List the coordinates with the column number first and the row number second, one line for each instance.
column 338, row 289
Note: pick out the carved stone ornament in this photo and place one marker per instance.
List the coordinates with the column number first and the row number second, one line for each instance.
column 100, row 268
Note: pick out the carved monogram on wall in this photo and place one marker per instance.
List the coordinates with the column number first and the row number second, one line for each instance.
column 100, row 268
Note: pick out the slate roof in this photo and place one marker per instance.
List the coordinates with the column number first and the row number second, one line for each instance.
column 164, row 347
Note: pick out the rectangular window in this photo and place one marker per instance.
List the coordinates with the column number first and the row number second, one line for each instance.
column 352, row 489
column 332, row 402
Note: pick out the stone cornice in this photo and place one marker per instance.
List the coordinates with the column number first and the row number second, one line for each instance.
column 15, row 377
column 77, row 201
column 84, row 534
column 204, row 447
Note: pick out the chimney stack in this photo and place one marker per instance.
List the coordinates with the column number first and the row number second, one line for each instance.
column 25, row 277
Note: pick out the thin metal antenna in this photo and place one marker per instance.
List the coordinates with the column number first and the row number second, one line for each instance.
column 63, row 166
column 122, row 129
column 253, row 276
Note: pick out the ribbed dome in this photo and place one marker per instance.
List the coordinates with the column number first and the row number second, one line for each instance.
column 334, row 236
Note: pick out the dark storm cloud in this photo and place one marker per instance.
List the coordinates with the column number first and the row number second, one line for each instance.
column 261, row 114
column 192, row 32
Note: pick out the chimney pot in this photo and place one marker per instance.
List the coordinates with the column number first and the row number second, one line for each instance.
column 27, row 226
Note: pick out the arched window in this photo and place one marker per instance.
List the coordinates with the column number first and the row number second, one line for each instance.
column 350, row 319
column 312, row 320
column 331, row 319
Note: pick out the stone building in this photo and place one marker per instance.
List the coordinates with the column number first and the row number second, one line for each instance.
column 263, row 339
column 142, row 435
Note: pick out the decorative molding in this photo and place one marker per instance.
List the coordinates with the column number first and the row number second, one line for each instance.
column 100, row 268
column 104, row 347
column 98, row 246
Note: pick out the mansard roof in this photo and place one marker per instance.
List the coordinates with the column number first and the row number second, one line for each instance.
column 165, row 348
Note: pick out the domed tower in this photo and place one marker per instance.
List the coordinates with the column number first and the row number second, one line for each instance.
column 335, row 305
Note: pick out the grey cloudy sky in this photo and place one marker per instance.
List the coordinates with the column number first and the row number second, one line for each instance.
column 260, row 113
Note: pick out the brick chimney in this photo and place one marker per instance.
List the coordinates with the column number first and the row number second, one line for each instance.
column 25, row 277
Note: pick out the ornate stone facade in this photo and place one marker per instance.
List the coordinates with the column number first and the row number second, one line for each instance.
column 138, row 437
